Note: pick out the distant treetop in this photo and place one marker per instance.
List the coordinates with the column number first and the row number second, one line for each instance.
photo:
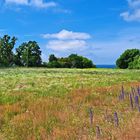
column 72, row 61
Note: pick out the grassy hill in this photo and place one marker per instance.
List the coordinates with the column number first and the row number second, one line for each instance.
column 41, row 104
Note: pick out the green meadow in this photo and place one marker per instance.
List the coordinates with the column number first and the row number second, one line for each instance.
column 58, row 104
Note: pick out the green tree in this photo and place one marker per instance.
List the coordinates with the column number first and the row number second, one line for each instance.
column 135, row 64
column 52, row 58
column 76, row 61
column 127, row 57
column 64, row 62
column 6, row 46
column 28, row 54
column 54, row 64
column 88, row 63
column 80, row 62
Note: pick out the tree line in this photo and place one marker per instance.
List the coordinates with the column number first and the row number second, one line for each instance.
column 72, row 61
column 28, row 54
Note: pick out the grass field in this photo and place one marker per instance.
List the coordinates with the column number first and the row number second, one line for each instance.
column 67, row 104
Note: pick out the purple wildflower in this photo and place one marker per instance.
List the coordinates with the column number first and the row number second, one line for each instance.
column 122, row 94
column 138, row 90
column 131, row 101
column 116, row 119
column 98, row 132
column 136, row 101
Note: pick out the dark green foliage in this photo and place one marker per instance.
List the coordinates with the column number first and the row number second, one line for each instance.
column 6, row 46
column 54, row 64
column 73, row 61
column 80, row 62
column 52, row 58
column 44, row 64
column 64, row 62
column 127, row 58
column 28, row 54
column 135, row 64
column 76, row 61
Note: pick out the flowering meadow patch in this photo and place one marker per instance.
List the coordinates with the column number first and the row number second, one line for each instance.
column 46, row 104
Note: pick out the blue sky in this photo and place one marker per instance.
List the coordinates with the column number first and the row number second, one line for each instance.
column 98, row 29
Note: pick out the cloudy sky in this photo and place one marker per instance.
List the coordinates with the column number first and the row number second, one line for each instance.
column 98, row 29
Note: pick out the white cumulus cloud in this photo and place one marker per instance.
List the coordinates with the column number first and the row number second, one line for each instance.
column 67, row 41
column 67, row 35
column 133, row 13
column 34, row 3
column 21, row 2
column 41, row 4
column 69, row 45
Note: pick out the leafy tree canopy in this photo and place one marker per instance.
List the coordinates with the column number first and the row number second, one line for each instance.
column 135, row 64
column 72, row 61
column 52, row 58
column 6, row 46
column 127, row 57
column 28, row 54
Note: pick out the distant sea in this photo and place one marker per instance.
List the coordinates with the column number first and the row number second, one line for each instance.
column 106, row 66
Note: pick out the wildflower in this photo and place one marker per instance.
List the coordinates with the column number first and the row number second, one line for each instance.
column 116, row 119
column 98, row 132
column 136, row 101
column 131, row 101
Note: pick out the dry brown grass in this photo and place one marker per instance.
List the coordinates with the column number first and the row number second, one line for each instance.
column 40, row 117
column 68, row 118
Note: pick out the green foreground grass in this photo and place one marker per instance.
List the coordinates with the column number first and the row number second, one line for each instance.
column 41, row 104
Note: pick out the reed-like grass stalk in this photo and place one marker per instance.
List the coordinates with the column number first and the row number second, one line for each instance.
column 91, row 115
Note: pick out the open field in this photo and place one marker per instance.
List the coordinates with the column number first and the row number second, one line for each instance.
column 68, row 104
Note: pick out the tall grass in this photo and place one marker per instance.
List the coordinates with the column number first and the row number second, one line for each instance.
column 42, row 104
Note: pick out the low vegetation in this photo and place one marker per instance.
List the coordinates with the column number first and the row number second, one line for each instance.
column 41, row 104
